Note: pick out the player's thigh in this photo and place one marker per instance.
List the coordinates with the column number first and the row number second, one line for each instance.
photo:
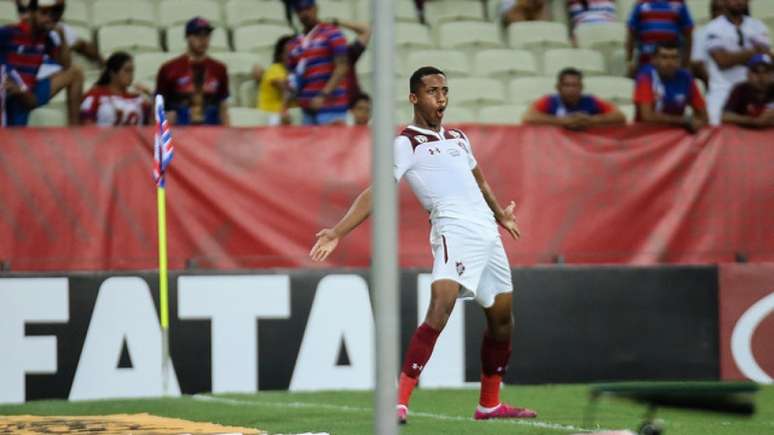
column 496, row 276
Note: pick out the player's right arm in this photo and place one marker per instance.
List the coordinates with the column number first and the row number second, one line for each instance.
column 328, row 238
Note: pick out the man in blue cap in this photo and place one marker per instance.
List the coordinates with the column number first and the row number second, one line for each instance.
column 194, row 85
column 751, row 103
column 318, row 62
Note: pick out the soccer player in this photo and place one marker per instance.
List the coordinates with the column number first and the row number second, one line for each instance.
column 470, row 261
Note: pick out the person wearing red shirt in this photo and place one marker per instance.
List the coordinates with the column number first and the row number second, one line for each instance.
column 195, row 86
column 110, row 102
column 751, row 103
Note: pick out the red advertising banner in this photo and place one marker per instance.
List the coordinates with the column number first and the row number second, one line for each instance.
column 747, row 322
column 83, row 199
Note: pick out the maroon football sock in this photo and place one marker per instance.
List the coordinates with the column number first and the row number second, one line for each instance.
column 419, row 350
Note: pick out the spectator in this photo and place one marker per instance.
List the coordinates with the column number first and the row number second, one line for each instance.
column 732, row 40
column 33, row 48
column 318, row 61
column 654, row 22
column 590, row 12
column 572, row 109
column 663, row 90
column 699, row 55
column 110, row 102
column 273, row 85
column 361, row 110
column 354, row 51
column 194, row 85
column 511, row 11
column 751, row 103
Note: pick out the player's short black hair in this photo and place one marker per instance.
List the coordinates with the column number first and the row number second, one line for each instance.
column 667, row 45
column 416, row 78
column 570, row 71
column 361, row 97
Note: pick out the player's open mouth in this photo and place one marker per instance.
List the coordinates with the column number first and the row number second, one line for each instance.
column 440, row 111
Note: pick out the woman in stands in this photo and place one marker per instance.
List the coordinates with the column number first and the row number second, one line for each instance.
column 110, row 102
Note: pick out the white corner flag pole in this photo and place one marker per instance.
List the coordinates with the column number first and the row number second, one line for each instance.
column 384, row 266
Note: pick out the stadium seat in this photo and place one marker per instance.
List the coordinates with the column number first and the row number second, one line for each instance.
column 525, row 90
column 505, row 63
column 624, row 9
column 452, row 62
column 589, row 61
column 629, row 112
column 469, row 35
column 537, row 35
column 365, row 66
column 175, row 37
column 601, row 36
column 8, row 13
column 123, row 12
column 247, row 93
column 172, row 12
column 77, row 12
column 47, row 117
column 146, row 65
column 458, row 114
column 329, row 9
column 412, row 36
column 405, row 11
column 763, row 10
column 502, row 114
column 438, row 12
column 476, row 92
column 134, row 38
column 259, row 37
column 243, row 12
column 700, row 10
column 83, row 32
column 240, row 64
column 247, row 117
column 619, row 90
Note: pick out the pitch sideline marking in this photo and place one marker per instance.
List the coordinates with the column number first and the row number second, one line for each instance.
column 236, row 402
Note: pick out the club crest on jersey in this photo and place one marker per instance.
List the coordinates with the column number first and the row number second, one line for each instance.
column 460, row 268
column 420, row 138
column 454, row 134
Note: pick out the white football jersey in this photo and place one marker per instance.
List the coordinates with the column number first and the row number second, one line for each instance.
column 106, row 108
column 437, row 166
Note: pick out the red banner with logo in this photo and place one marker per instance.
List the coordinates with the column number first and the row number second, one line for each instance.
column 84, row 199
column 747, row 322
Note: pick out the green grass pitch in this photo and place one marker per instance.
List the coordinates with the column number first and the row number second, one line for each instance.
column 561, row 408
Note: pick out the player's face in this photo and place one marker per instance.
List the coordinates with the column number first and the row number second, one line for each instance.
column 199, row 42
column 667, row 61
column 361, row 112
column 431, row 98
column 570, row 89
column 760, row 77
column 307, row 16
column 125, row 76
column 736, row 7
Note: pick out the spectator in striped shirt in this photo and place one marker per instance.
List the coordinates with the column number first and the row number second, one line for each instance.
column 35, row 49
column 319, row 62
column 590, row 12
column 571, row 108
column 654, row 22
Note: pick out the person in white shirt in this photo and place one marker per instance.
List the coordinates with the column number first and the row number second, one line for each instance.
column 731, row 41
column 699, row 53
column 469, row 258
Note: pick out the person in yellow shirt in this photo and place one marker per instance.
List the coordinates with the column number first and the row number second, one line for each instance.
column 273, row 84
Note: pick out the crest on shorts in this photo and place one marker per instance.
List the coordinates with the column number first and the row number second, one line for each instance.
column 460, row 268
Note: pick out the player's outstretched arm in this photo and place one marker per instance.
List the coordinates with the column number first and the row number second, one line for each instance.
column 505, row 217
column 328, row 238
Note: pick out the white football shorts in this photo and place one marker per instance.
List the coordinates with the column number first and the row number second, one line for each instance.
column 472, row 256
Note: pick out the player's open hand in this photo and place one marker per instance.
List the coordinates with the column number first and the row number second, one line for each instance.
column 327, row 240
column 508, row 221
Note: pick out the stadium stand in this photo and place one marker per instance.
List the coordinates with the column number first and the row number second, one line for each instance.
column 454, row 63
column 48, row 117
column 243, row 12
column 469, row 35
column 77, row 13
column 616, row 89
column 589, row 61
column 146, row 65
column 538, row 35
column 106, row 12
column 175, row 39
column 134, row 38
column 525, row 90
column 700, row 11
column 340, row 10
column 502, row 114
column 7, row 13
column 453, row 10
column 246, row 117
column 476, row 92
column 412, row 36
column 505, row 64
column 172, row 12
column 259, row 37
column 601, row 36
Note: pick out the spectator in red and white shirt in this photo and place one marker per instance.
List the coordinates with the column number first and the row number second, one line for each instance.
column 110, row 102
column 194, row 85
column 318, row 63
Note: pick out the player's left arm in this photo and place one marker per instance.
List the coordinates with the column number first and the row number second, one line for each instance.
column 504, row 216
